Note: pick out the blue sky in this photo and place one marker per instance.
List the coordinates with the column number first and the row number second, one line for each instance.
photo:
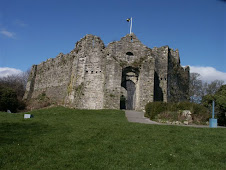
column 31, row 31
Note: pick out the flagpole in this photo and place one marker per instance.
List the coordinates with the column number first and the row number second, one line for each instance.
column 131, row 25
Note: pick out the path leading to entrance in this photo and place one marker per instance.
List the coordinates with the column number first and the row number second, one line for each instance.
column 138, row 117
column 135, row 116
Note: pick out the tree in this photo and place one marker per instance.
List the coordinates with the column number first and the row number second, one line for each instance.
column 195, row 87
column 198, row 88
column 8, row 99
column 220, row 104
column 212, row 87
column 16, row 82
column 12, row 89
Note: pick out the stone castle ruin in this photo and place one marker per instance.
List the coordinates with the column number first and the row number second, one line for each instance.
column 123, row 75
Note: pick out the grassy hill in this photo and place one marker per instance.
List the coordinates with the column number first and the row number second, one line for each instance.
column 61, row 138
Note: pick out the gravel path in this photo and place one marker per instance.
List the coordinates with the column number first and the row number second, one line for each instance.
column 135, row 116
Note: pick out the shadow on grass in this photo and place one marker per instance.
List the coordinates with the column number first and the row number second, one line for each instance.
column 20, row 132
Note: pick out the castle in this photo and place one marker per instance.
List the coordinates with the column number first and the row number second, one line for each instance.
column 123, row 75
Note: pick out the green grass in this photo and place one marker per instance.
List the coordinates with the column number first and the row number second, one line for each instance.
column 61, row 138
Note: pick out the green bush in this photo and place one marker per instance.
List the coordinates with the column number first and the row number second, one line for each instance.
column 154, row 108
column 169, row 115
column 184, row 106
column 172, row 111
column 8, row 99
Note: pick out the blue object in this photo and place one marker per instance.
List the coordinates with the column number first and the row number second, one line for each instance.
column 213, row 122
column 213, row 110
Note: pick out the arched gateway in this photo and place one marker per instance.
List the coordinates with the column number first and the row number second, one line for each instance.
column 129, row 82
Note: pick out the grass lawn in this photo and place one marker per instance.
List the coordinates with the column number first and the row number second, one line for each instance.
column 62, row 138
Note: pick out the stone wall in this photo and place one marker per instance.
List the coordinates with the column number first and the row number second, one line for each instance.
column 161, row 73
column 86, row 87
column 130, row 57
column 50, row 77
column 93, row 76
column 178, row 83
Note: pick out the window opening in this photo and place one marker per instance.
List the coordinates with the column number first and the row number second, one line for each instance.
column 129, row 53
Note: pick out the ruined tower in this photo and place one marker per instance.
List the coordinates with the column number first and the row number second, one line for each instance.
column 126, row 74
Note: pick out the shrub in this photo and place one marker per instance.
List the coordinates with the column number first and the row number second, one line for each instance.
column 8, row 99
column 169, row 115
column 184, row 106
column 172, row 111
column 154, row 108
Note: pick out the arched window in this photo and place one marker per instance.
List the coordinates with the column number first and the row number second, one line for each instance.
column 129, row 53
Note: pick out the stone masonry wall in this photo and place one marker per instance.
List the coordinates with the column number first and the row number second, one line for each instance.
column 30, row 83
column 93, row 76
column 51, row 77
column 129, row 52
column 161, row 73
column 86, row 87
column 178, row 85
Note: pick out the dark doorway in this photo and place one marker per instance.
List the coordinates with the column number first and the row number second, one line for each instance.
column 129, row 78
column 122, row 102
column 130, row 95
column 158, row 94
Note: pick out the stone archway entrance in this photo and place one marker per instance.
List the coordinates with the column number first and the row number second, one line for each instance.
column 129, row 80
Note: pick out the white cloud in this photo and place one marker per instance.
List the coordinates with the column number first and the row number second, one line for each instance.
column 208, row 73
column 20, row 23
column 6, row 71
column 7, row 33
